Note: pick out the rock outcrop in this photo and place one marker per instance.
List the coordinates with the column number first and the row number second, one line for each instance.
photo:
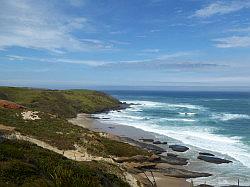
column 174, row 160
column 172, row 154
column 206, row 154
column 179, row 148
column 150, row 147
column 146, row 139
column 214, row 160
column 159, row 142
column 181, row 173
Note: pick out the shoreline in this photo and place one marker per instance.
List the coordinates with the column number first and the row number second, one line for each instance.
column 219, row 145
column 194, row 164
column 87, row 121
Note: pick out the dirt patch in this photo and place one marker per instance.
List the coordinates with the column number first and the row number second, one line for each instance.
column 80, row 154
column 6, row 128
column 10, row 105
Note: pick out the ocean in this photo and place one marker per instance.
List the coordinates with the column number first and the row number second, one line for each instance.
column 217, row 122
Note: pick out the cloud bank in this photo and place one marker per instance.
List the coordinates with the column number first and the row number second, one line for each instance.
column 221, row 8
column 40, row 25
column 233, row 42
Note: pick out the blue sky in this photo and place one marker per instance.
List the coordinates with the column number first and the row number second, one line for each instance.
column 83, row 43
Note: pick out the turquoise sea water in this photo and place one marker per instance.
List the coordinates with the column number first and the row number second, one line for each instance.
column 214, row 121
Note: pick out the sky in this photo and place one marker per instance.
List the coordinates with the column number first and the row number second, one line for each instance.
column 119, row 43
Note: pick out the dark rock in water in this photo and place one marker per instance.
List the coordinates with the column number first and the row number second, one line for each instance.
column 204, row 185
column 123, row 106
column 181, row 173
column 174, row 160
column 105, row 118
column 214, row 160
column 146, row 139
column 157, row 142
column 135, row 104
column 179, row 148
column 171, row 155
column 150, row 147
column 206, row 154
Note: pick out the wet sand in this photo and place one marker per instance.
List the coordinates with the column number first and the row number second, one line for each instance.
column 85, row 120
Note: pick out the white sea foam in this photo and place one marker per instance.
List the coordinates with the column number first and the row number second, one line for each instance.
column 199, row 136
column 187, row 113
column 177, row 119
column 227, row 117
column 189, row 106
column 152, row 104
column 144, row 103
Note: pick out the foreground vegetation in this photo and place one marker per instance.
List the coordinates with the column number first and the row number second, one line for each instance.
column 62, row 134
column 63, row 103
column 25, row 164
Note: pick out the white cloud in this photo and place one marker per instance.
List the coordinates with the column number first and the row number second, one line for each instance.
column 176, row 55
column 155, row 30
column 233, row 42
column 171, row 61
column 117, row 32
column 166, row 60
column 141, row 36
column 243, row 30
column 151, row 50
column 119, row 42
column 40, row 25
column 85, row 62
column 57, row 60
column 220, row 8
column 156, row 64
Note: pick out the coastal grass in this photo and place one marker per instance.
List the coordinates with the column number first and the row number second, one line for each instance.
column 25, row 164
column 53, row 130
column 64, row 135
column 121, row 149
column 63, row 103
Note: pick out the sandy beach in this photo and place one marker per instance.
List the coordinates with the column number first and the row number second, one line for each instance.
column 86, row 121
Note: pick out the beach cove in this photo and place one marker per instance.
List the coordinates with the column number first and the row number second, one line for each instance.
column 202, row 121
column 129, row 132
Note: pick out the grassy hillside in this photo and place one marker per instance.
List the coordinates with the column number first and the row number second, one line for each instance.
column 64, row 103
column 60, row 133
column 25, row 164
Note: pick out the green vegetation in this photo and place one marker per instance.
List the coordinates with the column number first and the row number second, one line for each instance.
column 27, row 165
column 53, row 130
column 64, row 103
column 24, row 164
column 121, row 149
column 60, row 133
